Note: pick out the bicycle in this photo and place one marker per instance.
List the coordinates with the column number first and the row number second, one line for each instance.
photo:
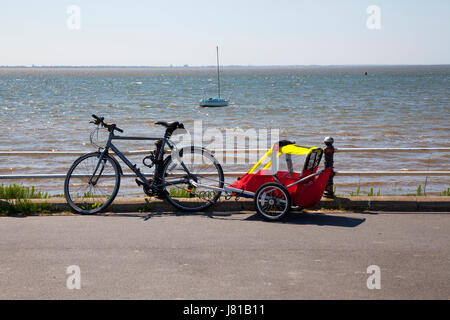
column 93, row 180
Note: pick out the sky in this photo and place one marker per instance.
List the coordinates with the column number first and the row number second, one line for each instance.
column 248, row 32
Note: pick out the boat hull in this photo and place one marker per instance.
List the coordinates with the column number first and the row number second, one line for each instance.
column 212, row 103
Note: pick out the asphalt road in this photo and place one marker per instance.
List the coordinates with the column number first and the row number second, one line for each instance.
column 226, row 256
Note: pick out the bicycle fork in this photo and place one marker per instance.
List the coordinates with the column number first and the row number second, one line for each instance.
column 94, row 179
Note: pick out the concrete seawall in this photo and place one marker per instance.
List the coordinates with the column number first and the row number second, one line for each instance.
column 380, row 203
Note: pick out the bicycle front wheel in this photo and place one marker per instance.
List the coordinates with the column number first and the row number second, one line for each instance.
column 92, row 183
column 196, row 191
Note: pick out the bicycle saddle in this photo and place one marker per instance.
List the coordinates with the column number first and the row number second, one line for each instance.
column 170, row 127
column 168, row 124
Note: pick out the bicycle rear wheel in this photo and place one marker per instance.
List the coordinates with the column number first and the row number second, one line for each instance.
column 91, row 185
column 205, row 172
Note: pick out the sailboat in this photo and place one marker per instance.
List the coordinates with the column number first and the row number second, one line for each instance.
column 215, row 102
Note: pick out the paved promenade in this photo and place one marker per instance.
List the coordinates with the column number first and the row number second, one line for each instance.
column 320, row 255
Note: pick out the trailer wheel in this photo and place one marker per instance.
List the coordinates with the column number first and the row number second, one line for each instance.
column 272, row 201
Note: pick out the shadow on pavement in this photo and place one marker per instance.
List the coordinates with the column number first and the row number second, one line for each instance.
column 304, row 218
column 148, row 215
column 319, row 219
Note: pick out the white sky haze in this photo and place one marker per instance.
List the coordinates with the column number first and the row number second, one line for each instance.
column 248, row 32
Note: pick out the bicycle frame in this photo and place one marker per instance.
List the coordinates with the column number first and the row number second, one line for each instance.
column 133, row 167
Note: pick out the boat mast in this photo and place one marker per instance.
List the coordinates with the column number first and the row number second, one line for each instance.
column 218, row 76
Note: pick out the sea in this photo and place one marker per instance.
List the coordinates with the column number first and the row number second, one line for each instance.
column 49, row 109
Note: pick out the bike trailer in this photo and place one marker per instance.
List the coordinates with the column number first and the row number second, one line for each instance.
column 293, row 166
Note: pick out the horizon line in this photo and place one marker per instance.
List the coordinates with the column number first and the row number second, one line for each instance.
column 186, row 66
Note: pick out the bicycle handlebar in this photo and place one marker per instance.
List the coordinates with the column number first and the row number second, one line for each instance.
column 110, row 127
